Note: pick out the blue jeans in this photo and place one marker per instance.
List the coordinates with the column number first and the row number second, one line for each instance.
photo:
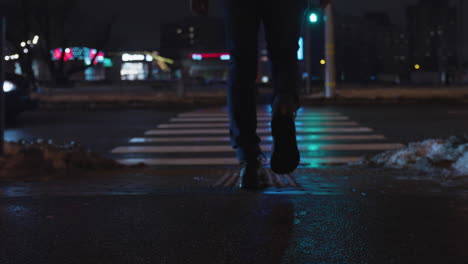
column 282, row 20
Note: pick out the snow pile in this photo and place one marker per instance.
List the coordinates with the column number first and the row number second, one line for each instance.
column 446, row 157
column 39, row 157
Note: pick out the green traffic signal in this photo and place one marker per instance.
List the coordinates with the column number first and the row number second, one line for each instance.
column 313, row 18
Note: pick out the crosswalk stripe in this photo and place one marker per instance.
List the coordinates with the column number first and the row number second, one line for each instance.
column 262, row 125
column 227, row 148
column 222, row 179
column 279, row 181
column 264, row 139
column 290, row 180
column 269, row 177
column 186, row 115
column 232, row 179
column 329, row 160
column 259, row 131
column 206, row 131
column 261, row 118
column 272, row 180
column 226, row 161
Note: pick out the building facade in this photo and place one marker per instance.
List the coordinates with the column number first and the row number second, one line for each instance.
column 433, row 38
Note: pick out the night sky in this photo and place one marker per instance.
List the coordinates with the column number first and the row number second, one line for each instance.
column 141, row 19
column 138, row 21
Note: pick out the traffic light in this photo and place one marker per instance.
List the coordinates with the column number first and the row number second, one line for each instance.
column 313, row 18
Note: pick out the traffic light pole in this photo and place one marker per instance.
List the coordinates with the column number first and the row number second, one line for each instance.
column 2, row 80
column 330, row 70
column 308, row 57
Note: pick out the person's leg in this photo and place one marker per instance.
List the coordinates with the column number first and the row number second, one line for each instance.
column 242, row 22
column 283, row 20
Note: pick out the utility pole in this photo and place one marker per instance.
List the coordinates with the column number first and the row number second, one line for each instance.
column 2, row 81
column 330, row 70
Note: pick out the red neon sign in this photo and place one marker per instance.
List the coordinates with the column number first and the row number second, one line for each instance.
column 68, row 54
column 208, row 55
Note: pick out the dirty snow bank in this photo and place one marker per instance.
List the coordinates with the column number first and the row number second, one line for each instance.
column 446, row 157
column 39, row 158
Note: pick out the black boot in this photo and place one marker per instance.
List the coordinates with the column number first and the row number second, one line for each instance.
column 285, row 157
column 251, row 175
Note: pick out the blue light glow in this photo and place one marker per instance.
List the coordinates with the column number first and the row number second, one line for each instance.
column 198, row 57
column 300, row 52
column 225, row 57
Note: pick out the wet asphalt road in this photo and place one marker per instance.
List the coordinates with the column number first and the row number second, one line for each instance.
column 102, row 130
column 233, row 228
column 198, row 224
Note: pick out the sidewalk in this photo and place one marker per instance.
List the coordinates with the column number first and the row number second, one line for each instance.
column 146, row 96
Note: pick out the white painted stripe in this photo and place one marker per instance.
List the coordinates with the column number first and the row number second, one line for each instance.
column 232, row 179
column 222, row 179
column 258, row 114
column 259, row 131
column 290, row 180
column 266, row 148
column 261, row 118
column 279, row 180
column 262, row 125
column 226, row 161
column 265, row 139
column 269, row 177
column 328, row 160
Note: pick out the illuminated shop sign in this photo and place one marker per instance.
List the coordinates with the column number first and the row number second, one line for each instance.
column 127, row 57
column 201, row 56
column 76, row 53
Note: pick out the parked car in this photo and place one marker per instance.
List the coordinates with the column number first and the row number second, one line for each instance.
column 17, row 90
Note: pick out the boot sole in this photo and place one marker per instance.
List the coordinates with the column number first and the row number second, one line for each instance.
column 285, row 157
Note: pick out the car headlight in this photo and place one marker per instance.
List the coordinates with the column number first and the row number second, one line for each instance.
column 9, row 86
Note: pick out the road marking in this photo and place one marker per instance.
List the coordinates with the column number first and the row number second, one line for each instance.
column 269, row 177
column 268, row 148
column 227, row 161
column 279, row 181
column 195, row 132
column 264, row 139
column 261, row 125
column 186, row 115
column 259, row 131
column 233, row 179
column 222, row 179
column 272, row 179
column 261, row 118
column 290, row 180
column 315, row 162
